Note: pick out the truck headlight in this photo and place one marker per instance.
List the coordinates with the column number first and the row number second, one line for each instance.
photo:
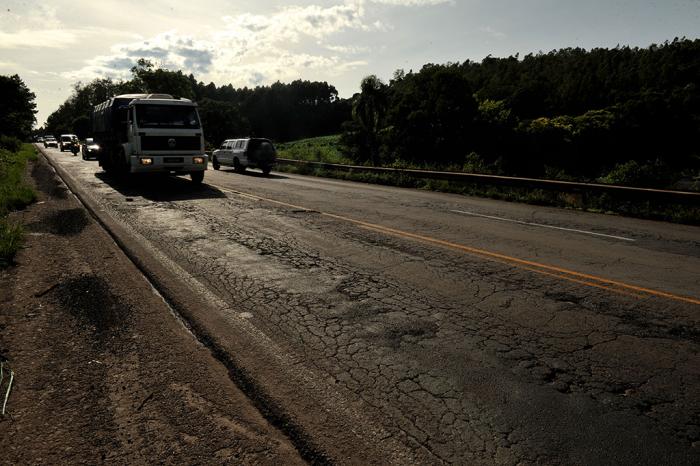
column 146, row 161
column 198, row 160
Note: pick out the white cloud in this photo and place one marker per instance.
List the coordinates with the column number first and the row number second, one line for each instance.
column 28, row 38
column 347, row 49
column 492, row 32
column 247, row 49
column 291, row 24
column 254, row 45
column 27, row 13
column 413, row 2
column 257, row 48
column 9, row 65
column 169, row 50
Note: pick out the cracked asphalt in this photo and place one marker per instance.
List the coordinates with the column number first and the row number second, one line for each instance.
column 457, row 357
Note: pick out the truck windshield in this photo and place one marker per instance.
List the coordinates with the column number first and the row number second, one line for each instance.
column 166, row 116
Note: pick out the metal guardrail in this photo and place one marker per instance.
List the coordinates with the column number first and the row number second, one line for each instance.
column 685, row 197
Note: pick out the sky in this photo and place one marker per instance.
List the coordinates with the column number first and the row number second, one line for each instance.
column 52, row 45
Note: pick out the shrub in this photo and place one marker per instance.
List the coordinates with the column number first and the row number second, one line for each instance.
column 633, row 173
column 10, row 143
column 474, row 163
column 14, row 193
column 10, row 241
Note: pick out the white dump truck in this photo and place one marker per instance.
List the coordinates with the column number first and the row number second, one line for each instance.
column 150, row 133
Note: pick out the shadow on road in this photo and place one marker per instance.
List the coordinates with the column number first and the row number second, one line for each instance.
column 254, row 174
column 160, row 188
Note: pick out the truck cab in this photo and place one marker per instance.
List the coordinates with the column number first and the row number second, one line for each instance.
column 150, row 133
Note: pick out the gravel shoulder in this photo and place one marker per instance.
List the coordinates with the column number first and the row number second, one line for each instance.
column 104, row 371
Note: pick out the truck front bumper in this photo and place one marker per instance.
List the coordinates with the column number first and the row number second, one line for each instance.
column 168, row 163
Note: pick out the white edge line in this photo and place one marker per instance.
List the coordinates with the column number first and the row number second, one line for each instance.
column 542, row 225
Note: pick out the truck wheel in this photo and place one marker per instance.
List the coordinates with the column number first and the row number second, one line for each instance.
column 215, row 163
column 237, row 167
column 121, row 165
column 266, row 170
column 197, row 177
column 102, row 160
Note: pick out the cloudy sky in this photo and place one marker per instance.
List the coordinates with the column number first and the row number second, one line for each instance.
column 52, row 45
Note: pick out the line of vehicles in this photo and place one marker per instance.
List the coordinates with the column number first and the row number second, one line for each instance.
column 70, row 142
column 159, row 133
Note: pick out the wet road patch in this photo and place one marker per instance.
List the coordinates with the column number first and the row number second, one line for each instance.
column 91, row 301
column 47, row 181
column 63, row 222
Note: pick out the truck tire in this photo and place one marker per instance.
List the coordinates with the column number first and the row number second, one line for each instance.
column 266, row 170
column 105, row 161
column 237, row 167
column 122, row 165
column 197, row 177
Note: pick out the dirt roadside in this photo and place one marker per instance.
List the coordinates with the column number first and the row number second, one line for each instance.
column 104, row 372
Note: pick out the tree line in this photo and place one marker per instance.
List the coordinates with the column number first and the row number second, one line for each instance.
column 625, row 114
column 282, row 112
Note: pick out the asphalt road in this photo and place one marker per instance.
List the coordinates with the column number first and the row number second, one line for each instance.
column 453, row 329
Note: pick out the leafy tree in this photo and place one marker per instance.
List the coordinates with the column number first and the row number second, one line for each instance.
column 494, row 133
column 222, row 120
column 368, row 112
column 148, row 79
column 17, row 107
column 81, row 126
column 432, row 116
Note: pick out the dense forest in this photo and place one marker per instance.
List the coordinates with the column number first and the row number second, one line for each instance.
column 282, row 112
column 626, row 115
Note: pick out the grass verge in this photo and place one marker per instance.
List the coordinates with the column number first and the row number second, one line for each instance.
column 601, row 203
column 15, row 194
column 321, row 149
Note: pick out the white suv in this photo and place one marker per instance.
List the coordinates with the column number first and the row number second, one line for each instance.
column 243, row 153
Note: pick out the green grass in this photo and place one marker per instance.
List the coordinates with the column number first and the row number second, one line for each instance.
column 11, row 237
column 321, row 149
column 15, row 194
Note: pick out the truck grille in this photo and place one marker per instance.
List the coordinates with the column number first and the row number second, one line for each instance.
column 165, row 143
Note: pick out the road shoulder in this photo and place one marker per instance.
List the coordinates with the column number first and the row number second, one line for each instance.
column 103, row 369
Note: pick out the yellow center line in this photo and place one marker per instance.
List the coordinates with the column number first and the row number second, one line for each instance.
column 545, row 269
column 539, row 271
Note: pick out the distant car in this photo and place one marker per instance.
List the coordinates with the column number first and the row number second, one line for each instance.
column 243, row 153
column 67, row 141
column 39, row 139
column 90, row 149
column 50, row 141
